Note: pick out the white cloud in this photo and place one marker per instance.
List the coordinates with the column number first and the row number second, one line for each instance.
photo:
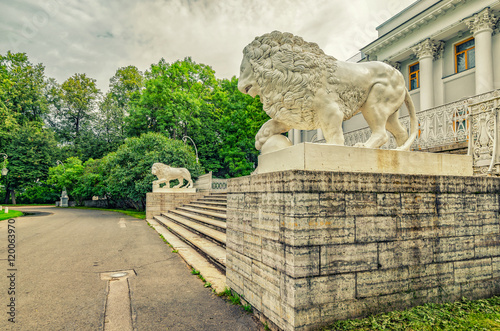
column 98, row 36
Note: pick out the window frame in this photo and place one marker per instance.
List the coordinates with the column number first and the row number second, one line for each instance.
column 417, row 72
column 466, row 55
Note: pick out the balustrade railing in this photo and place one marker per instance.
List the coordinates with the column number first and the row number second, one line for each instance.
column 440, row 126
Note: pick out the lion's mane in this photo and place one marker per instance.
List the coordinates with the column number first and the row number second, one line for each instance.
column 295, row 68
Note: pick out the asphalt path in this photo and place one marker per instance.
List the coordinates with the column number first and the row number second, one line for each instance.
column 60, row 254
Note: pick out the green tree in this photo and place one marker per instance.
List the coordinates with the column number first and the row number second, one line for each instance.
column 242, row 116
column 124, row 86
column 23, row 88
column 177, row 100
column 30, row 154
column 127, row 172
column 75, row 104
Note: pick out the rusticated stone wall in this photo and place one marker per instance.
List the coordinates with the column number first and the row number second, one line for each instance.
column 160, row 202
column 306, row 248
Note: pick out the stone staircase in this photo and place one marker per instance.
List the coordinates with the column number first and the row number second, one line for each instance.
column 197, row 231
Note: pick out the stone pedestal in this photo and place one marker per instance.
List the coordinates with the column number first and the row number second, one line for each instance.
column 308, row 156
column 173, row 190
column 160, row 202
column 306, row 248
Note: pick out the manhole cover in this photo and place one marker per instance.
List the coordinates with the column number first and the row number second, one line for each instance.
column 119, row 274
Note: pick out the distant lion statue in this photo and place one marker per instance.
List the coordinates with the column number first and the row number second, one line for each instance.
column 302, row 88
column 166, row 173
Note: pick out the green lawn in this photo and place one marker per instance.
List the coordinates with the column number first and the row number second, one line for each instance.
column 10, row 214
column 463, row 315
column 129, row 212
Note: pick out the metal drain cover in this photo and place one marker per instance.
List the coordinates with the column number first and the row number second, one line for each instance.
column 119, row 274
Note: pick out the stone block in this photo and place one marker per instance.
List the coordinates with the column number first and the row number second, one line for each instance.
column 234, row 241
column 266, row 277
column 252, row 246
column 487, row 202
column 306, row 181
column 389, row 204
column 274, row 308
column 302, row 231
column 266, row 225
column 487, row 245
column 473, row 270
column 348, row 258
column 375, row 228
column 426, row 276
column 470, row 224
column 495, row 263
column 361, row 204
column 240, row 264
column 481, row 289
column 313, row 291
column 454, row 249
column 490, row 221
column 301, row 204
column 419, row 226
column 302, row 261
column 252, row 293
column 273, row 254
column 332, row 204
column 382, row 282
column 339, row 310
column 235, row 280
column 418, row 203
column 396, row 254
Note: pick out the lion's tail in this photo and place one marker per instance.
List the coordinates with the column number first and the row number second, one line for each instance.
column 413, row 123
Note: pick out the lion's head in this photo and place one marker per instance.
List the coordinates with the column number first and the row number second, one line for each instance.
column 159, row 168
column 285, row 71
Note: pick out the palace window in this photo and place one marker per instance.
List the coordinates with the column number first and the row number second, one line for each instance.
column 465, row 55
column 414, row 76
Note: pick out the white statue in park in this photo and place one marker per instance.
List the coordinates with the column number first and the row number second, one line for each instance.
column 302, row 88
column 166, row 173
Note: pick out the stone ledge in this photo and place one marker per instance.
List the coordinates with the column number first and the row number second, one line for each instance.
column 323, row 157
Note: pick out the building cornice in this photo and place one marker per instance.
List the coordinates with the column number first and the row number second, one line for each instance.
column 419, row 20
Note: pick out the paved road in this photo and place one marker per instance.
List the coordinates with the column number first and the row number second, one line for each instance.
column 60, row 255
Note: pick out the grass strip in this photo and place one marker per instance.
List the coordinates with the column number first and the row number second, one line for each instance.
column 463, row 315
column 10, row 214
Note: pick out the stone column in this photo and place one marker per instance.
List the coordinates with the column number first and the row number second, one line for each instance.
column 319, row 134
column 296, row 136
column 425, row 52
column 481, row 25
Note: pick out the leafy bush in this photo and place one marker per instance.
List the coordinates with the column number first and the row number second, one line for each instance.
column 39, row 193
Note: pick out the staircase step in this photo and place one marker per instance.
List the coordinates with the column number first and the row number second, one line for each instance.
column 216, row 224
column 211, row 203
column 203, row 212
column 215, row 199
column 194, row 258
column 210, row 233
column 204, row 206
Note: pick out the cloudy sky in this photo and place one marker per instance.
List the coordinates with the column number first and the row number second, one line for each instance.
column 97, row 37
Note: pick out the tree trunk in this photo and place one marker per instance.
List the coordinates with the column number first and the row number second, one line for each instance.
column 13, row 196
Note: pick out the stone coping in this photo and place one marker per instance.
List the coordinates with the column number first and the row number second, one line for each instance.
column 327, row 181
column 324, row 157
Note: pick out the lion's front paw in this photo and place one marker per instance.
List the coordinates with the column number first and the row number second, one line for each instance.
column 362, row 145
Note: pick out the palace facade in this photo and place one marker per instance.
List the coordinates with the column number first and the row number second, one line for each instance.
column 449, row 53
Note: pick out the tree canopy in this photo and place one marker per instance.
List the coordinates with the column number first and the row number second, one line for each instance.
column 108, row 142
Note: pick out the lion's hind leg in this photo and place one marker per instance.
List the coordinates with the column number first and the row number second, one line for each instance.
column 395, row 127
column 382, row 102
column 181, row 182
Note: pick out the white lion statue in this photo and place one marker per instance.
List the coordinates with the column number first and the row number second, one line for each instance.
column 166, row 173
column 302, row 88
